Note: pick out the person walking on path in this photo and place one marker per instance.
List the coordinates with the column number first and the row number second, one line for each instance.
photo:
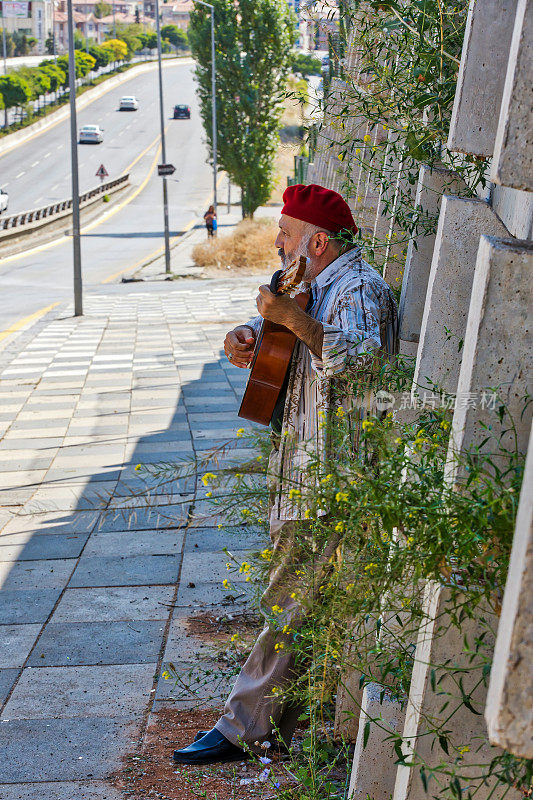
column 350, row 319
column 210, row 217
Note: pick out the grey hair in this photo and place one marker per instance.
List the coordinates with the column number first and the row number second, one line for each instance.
column 310, row 230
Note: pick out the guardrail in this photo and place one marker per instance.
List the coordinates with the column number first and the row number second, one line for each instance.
column 59, row 209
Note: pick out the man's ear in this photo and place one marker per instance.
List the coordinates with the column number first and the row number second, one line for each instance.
column 321, row 243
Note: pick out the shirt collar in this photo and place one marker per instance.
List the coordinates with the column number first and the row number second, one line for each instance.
column 331, row 272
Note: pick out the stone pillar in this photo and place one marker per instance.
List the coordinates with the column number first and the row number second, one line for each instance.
column 498, row 352
column 461, row 223
column 374, row 768
column 509, row 710
column 513, row 151
column 432, row 184
column 481, row 76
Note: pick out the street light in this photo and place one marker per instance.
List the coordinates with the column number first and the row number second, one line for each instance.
column 78, row 302
column 163, row 144
column 213, row 99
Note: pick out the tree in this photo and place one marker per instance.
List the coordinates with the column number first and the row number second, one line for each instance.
column 306, row 64
column 101, row 55
column 55, row 74
column 102, row 10
column 15, row 91
column 49, row 44
column 175, row 36
column 253, row 45
column 137, row 17
column 117, row 48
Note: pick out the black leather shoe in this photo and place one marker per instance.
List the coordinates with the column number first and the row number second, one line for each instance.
column 211, row 748
column 277, row 745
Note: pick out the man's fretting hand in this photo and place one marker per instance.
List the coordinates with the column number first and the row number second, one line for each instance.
column 239, row 345
column 283, row 310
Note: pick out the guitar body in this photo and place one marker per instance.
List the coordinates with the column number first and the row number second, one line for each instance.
column 273, row 353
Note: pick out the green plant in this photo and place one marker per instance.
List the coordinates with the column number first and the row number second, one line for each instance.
column 253, row 43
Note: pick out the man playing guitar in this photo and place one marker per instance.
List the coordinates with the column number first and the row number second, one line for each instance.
column 351, row 314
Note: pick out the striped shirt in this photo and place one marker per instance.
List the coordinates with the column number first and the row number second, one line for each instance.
column 359, row 316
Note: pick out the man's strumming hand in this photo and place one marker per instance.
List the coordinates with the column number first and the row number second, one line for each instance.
column 239, row 345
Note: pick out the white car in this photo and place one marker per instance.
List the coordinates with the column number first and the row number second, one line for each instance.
column 128, row 104
column 4, row 200
column 91, row 134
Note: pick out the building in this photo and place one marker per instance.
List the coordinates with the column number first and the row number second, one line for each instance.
column 33, row 19
column 177, row 13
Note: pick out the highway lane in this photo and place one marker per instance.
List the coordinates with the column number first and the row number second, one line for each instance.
column 31, row 281
column 38, row 172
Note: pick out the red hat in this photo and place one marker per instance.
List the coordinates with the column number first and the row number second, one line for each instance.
column 319, row 206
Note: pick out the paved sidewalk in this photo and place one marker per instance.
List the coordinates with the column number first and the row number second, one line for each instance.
column 87, row 592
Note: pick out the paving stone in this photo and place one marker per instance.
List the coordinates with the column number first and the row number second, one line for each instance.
column 44, row 692
column 112, row 603
column 53, row 522
column 216, row 539
column 48, row 574
column 154, row 518
column 207, row 567
column 7, row 679
column 149, row 570
column 198, row 684
column 26, row 606
column 69, row 749
column 16, row 641
column 127, row 543
column 85, row 643
column 66, row 790
column 27, row 547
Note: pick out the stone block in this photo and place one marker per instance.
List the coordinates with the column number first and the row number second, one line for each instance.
column 515, row 209
column 509, row 709
column 7, row 679
column 481, row 78
column 374, row 766
column 75, row 644
column 70, row 749
column 434, row 692
column 498, row 349
column 29, row 547
column 461, row 223
column 114, row 603
column 94, row 691
column 432, row 184
column 149, row 570
column 21, row 607
column 513, row 152
column 64, row 790
column 16, row 641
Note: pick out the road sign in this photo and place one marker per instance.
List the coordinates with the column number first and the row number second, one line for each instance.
column 166, row 169
column 102, row 172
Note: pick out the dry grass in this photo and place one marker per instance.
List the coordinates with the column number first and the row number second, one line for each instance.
column 249, row 247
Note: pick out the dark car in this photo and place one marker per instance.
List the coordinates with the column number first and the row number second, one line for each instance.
column 182, row 112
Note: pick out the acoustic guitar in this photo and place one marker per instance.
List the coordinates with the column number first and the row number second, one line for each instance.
column 273, row 351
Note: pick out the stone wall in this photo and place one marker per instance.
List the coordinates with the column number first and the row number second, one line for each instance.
column 471, row 282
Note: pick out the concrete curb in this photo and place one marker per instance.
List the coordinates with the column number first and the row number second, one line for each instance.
column 14, row 140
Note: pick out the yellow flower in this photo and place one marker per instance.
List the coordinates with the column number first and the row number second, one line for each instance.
column 279, row 646
column 464, row 750
column 240, row 432
column 339, row 527
column 234, row 637
column 371, row 567
column 165, row 675
column 219, row 526
column 208, row 477
column 138, row 467
column 367, row 424
column 245, row 567
column 341, row 156
column 275, row 690
column 358, row 151
column 326, row 480
column 340, row 412
column 334, row 653
column 277, row 609
column 259, row 458
column 293, row 596
column 209, row 494
column 398, row 440
column 307, row 513
column 266, row 554
column 341, row 497
column 410, row 540
column 367, row 137
column 294, row 494
column 350, row 587
column 286, row 629
column 385, row 127
column 444, row 425
column 228, row 565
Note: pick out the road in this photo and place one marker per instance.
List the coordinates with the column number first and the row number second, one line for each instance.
column 38, row 172
column 132, row 230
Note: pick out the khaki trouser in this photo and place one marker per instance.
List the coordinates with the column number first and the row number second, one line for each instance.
column 252, row 711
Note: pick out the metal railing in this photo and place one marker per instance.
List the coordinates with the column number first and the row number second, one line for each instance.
column 26, row 217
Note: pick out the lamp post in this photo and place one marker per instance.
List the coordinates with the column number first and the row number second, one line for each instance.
column 213, row 99
column 163, row 144
column 78, row 302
